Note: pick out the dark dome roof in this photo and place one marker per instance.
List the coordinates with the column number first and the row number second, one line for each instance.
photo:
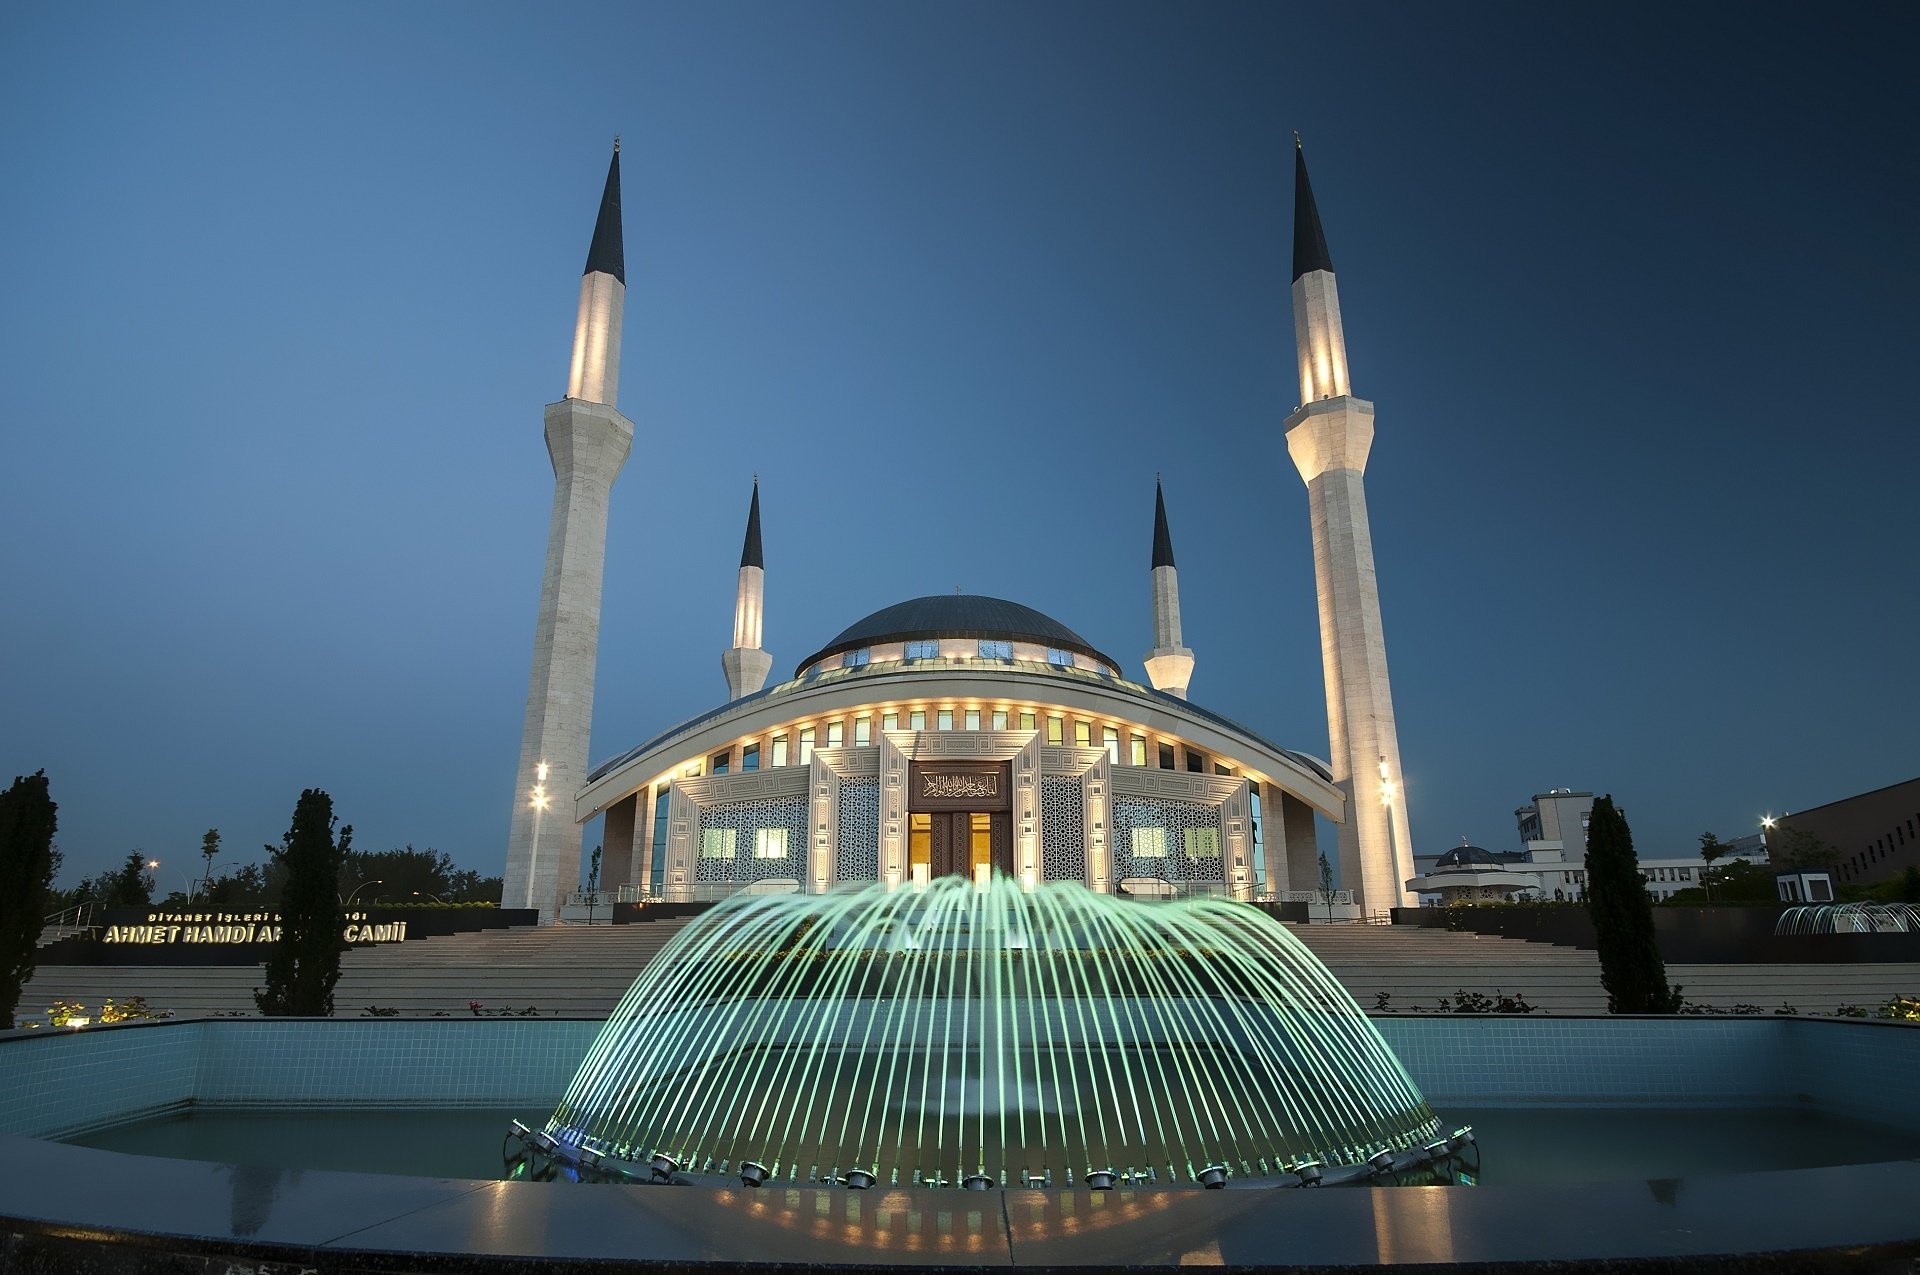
column 1467, row 856
column 955, row 615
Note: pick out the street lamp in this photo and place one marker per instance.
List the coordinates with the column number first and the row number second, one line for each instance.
column 153, row 866
column 356, row 890
column 539, row 804
column 430, row 894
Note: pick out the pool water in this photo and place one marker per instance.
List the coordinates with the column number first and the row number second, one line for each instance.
column 1532, row 1145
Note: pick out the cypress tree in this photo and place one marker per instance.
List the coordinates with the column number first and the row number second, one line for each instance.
column 27, row 819
column 1630, row 966
column 305, row 961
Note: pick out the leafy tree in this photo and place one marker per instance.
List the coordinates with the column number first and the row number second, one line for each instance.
column 406, row 872
column 1803, row 851
column 209, row 847
column 305, row 961
column 1630, row 966
column 1711, row 848
column 130, row 887
column 27, row 821
column 240, row 889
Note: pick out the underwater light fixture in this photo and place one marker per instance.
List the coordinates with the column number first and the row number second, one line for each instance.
column 951, row 1036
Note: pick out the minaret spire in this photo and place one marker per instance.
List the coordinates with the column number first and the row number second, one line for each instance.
column 1329, row 438
column 595, row 373
column 1169, row 664
column 746, row 664
column 587, row 441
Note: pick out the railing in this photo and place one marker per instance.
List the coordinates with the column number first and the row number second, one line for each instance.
column 77, row 917
column 1321, row 897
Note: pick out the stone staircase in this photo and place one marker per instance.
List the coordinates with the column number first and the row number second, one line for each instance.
column 565, row 971
column 1417, row 967
column 582, row 971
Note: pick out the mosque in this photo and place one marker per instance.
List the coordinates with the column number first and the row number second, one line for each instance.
column 956, row 734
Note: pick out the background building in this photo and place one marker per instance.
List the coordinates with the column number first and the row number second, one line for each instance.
column 1552, row 860
column 1873, row 834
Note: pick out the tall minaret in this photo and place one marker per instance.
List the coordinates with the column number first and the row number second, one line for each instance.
column 1169, row 664
column 1329, row 437
column 588, row 442
column 746, row 665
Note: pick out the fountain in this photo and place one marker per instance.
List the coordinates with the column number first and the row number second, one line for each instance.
column 985, row 1033
column 1849, row 918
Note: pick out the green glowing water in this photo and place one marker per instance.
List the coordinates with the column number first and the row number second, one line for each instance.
column 929, row 1034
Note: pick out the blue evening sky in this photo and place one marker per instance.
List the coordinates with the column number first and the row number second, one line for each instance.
column 283, row 291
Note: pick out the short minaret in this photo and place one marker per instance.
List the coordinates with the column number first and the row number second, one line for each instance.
column 746, row 665
column 1329, row 437
column 1169, row 664
column 588, row 442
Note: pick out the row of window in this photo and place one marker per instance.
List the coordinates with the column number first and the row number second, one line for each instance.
column 723, row 843
column 929, row 649
column 1880, row 849
column 772, row 843
column 797, row 747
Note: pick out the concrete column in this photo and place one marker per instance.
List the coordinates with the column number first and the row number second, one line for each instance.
column 616, row 843
column 587, row 443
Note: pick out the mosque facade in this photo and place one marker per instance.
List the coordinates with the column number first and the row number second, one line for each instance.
column 958, row 734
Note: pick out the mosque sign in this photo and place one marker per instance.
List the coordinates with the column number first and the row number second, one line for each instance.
column 222, row 928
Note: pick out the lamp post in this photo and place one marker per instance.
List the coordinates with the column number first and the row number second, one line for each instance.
column 539, row 803
column 356, row 890
column 430, row 894
column 153, row 866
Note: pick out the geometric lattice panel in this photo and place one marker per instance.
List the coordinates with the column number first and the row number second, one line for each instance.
column 1063, row 829
column 745, row 819
column 858, row 854
column 1173, row 841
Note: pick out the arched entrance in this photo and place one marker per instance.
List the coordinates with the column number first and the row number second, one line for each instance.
column 959, row 818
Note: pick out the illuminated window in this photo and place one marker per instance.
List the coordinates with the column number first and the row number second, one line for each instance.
column 1056, row 731
column 750, row 756
column 769, row 843
column 973, row 719
column 779, row 750
column 1139, row 750
column 923, row 650
column 1083, row 734
column 717, row 843
column 806, row 745
column 862, row 731
column 1149, row 843
column 1060, row 659
column 917, row 719
column 1027, row 721
column 856, row 659
column 1000, row 719
column 992, row 650
column 890, row 721
column 943, row 720
column 657, row 874
column 1110, row 736
column 1203, row 843
column 836, row 734
column 717, row 765
column 919, row 841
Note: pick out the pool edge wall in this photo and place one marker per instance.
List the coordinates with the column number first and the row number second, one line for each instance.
column 85, row 1210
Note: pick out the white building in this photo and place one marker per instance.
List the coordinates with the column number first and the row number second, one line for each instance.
column 959, row 734
column 1552, row 860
